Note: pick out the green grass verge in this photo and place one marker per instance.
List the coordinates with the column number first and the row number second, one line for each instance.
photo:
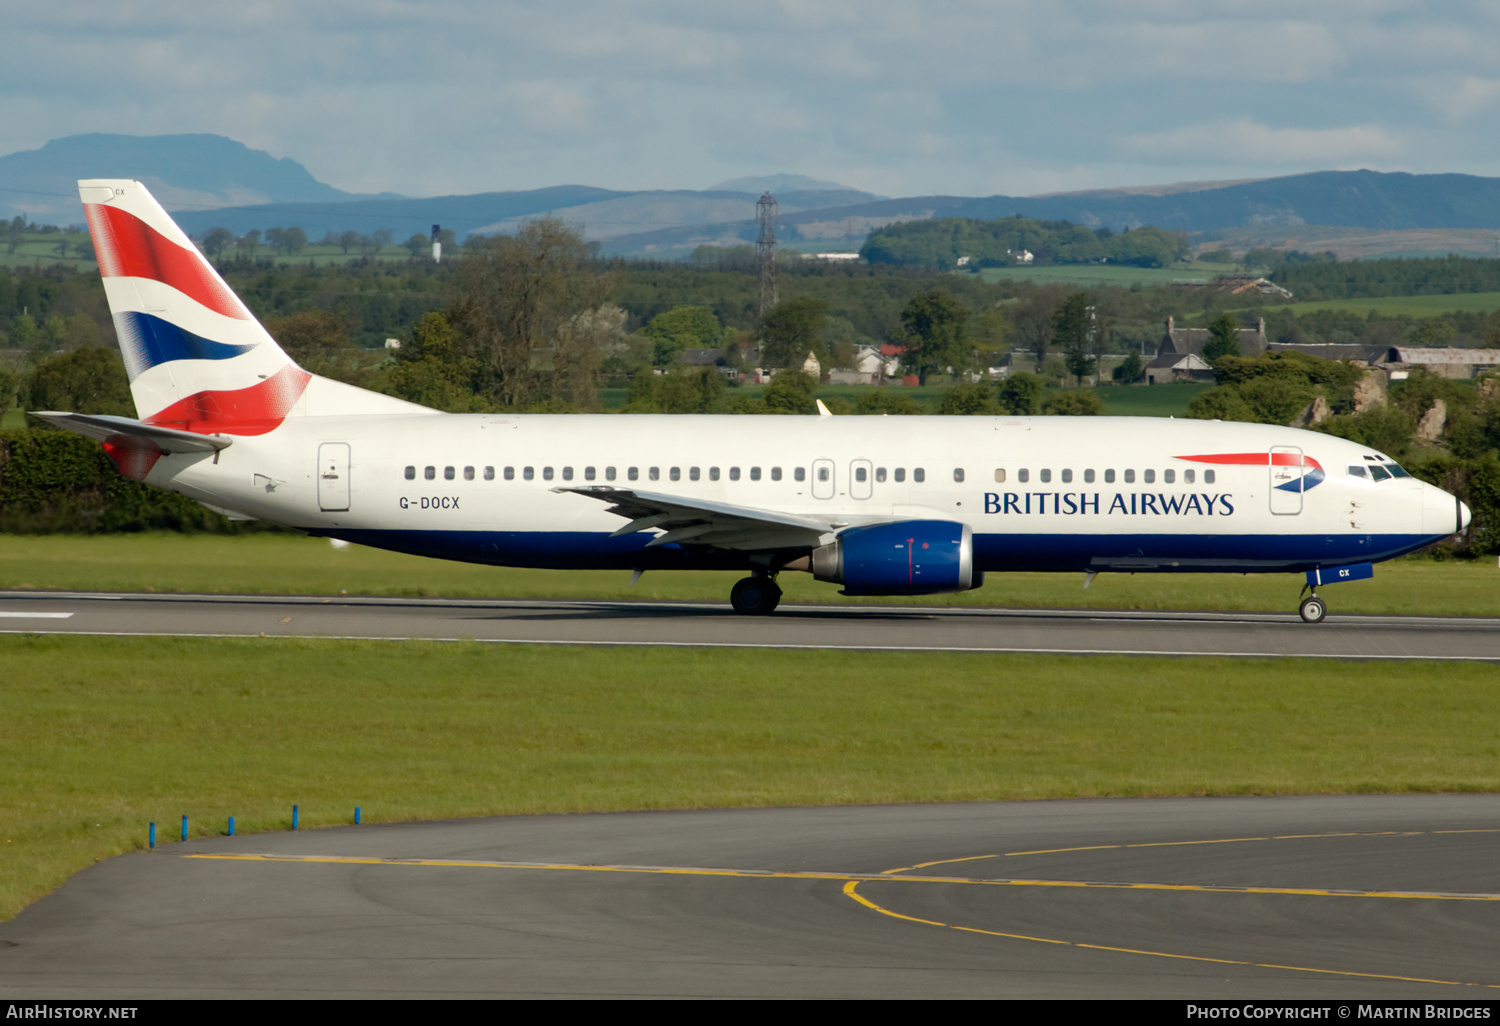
column 1148, row 400
column 99, row 736
column 286, row 564
column 1411, row 306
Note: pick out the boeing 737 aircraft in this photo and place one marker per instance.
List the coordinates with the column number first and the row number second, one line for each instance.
column 881, row 505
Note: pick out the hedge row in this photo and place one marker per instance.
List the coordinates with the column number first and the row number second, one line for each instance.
column 54, row 481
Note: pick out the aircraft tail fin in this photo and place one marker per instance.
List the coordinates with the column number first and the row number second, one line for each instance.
column 197, row 359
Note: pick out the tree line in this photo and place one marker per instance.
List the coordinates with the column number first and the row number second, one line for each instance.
column 943, row 242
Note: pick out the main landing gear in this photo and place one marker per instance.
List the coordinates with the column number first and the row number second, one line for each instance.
column 1312, row 608
column 755, row 596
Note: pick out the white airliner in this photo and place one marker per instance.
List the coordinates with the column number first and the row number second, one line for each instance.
column 881, row 505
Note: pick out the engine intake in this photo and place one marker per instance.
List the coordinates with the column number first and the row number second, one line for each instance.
column 910, row 557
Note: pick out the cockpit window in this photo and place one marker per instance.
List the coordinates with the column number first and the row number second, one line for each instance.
column 1397, row 470
column 1379, row 472
column 1358, row 470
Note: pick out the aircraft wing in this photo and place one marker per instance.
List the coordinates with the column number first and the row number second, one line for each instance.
column 701, row 522
column 104, row 428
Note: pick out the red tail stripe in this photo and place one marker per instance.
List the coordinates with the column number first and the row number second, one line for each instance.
column 1256, row 459
column 128, row 247
column 132, row 457
column 244, row 411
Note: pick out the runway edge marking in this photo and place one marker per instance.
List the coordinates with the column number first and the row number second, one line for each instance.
column 1356, row 657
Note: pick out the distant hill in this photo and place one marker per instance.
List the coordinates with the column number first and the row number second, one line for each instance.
column 778, row 184
column 211, row 181
column 1351, row 199
column 602, row 214
column 183, row 172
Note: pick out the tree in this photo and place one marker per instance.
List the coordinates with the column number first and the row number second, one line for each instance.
column 1074, row 403
column 90, row 380
column 680, row 390
column 990, row 332
column 417, row 245
column 680, row 328
column 1021, row 394
column 1223, row 340
column 217, row 240
column 1032, row 318
column 383, row 237
column 347, row 241
column 293, row 240
column 889, row 401
column 791, row 331
column 934, row 324
column 1073, row 329
column 1131, row 369
column 518, row 297
column 432, row 369
column 9, row 382
column 249, row 241
column 790, row 391
column 976, row 399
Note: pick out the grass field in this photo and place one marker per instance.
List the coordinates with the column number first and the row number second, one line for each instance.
column 1105, row 274
column 287, row 564
column 1411, row 306
column 98, row 736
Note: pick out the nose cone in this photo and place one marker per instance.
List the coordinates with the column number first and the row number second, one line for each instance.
column 1443, row 514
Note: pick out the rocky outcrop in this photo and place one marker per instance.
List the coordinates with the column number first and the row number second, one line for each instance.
column 1430, row 427
column 1369, row 391
column 1313, row 414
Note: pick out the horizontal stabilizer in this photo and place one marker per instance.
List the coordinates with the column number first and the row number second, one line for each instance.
column 102, row 428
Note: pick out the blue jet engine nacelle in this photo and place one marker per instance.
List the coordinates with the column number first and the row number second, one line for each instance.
column 910, row 557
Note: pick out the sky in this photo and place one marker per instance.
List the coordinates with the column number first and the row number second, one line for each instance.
column 902, row 98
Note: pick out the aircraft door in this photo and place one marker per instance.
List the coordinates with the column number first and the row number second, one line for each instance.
column 1286, row 480
column 333, row 477
column 823, row 479
column 861, row 474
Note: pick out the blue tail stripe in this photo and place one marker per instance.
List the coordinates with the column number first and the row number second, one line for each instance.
column 147, row 341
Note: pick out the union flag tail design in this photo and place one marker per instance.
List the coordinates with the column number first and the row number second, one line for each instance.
column 197, row 359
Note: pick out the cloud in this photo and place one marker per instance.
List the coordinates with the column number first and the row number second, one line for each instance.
column 428, row 96
column 1248, row 143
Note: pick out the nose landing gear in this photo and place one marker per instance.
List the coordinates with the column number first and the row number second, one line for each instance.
column 755, row 596
column 1312, row 609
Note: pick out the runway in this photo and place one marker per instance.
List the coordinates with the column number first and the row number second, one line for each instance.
column 1322, row 897
column 867, row 628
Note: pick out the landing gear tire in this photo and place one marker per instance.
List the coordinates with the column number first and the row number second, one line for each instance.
column 1312, row 609
column 755, row 596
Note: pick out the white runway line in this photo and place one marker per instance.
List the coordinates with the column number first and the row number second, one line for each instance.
column 6, row 614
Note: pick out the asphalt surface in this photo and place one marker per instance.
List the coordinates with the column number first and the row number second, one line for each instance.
column 685, row 624
column 1316, row 898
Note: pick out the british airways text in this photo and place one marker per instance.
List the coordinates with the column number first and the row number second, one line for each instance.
column 1125, row 503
